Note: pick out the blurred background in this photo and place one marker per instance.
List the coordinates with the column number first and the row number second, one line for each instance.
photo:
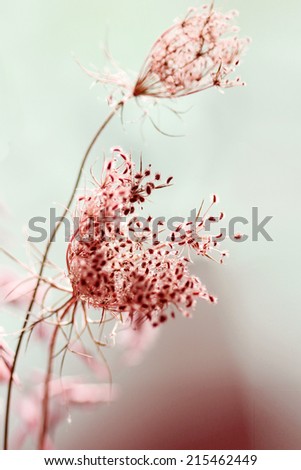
column 230, row 377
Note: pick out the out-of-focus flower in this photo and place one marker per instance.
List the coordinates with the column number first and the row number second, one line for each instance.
column 120, row 265
column 99, row 368
column 135, row 343
column 13, row 289
column 65, row 394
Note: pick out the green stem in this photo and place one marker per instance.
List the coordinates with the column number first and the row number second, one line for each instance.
column 44, row 259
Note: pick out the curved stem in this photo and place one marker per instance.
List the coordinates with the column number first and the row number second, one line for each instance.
column 44, row 424
column 43, row 262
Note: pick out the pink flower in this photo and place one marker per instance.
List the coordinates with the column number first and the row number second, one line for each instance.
column 196, row 53
column 121, row 266
column 98, row 368
column 65, row 394
column 13, row 289
column 136, row 342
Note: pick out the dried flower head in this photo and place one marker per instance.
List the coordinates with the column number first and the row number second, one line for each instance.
column 117, row 263
column 196, row 53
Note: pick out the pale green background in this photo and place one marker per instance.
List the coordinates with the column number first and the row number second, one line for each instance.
column 243, row 145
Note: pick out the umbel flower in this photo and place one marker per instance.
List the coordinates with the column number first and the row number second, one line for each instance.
column 196, row 53
column 117, row 263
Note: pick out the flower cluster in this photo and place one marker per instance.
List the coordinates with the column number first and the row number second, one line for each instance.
column 118, row 264
column 196, row 53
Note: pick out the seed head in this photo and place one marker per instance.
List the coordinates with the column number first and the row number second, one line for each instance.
column 195, row 54
column 121, row 266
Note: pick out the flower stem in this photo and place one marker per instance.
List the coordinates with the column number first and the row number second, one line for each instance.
column 45, row 410
column 44, row 259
